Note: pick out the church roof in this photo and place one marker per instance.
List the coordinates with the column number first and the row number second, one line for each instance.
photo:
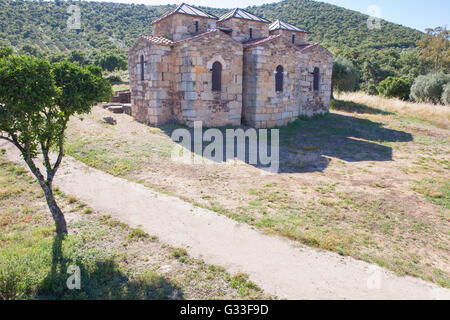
column 242, row 14
column 278, row 36
column 280, row 24
column 186, row 9
column 158, row 40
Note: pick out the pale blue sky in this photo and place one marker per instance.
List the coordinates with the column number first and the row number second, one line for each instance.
column 418, row 14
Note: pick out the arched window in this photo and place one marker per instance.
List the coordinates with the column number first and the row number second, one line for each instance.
column 216, row 76
column 196, row 26
column 293, row 38
column 142, row 67
column 316, row 79
column 251, row 33
column 279, row 79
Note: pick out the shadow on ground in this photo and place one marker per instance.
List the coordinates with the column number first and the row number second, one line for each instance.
column 101, row 280
column 307, row 144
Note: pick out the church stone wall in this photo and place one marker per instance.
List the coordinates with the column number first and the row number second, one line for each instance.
column 177, row 84
column 263, row 106
column 241, row 29
column 181, row 26
column 193, row 80
column 300, row 37
column 151, row 98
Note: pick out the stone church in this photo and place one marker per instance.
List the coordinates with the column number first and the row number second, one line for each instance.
column 233, row 70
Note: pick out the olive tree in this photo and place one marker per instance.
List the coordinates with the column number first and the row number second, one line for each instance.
column 345, row 75
column 37, row 100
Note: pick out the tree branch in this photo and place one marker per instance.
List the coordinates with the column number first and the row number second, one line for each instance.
column 48, row 166
column 6, row 138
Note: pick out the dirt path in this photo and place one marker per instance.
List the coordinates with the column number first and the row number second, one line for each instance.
column 278, row 266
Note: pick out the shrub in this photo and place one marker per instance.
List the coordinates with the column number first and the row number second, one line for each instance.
column 445, row 99
column 137, row 234
column 429, row 88
column 393, row 87
column 113, row 79
column 435, row 86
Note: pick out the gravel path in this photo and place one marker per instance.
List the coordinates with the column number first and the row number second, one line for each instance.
column 279, row 266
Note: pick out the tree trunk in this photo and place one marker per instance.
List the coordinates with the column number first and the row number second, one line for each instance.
column 58, row 216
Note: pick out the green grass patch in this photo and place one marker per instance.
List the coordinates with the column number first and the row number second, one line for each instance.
column 137, row 234
column 435, row 190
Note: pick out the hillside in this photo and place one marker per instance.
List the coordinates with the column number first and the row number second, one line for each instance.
column 335, row 26
column 107, row 25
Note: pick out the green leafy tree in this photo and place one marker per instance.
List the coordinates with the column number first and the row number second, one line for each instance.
column 393, row 87
column 37, row 100
column 31, row 51
column 435, row 47
column 4, row 52
column 345, row 75
column 111, row 61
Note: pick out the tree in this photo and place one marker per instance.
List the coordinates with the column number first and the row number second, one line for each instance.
column 111, row 61
column 393, row 87
column 4, row 52
column 429, row 88
column 37, row 100
column 345, row 75
column 30, row 51
column 435, row 47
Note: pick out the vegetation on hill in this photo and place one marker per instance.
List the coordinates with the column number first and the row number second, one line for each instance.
column 335, row 26
column 39, row 28
column 108, row 25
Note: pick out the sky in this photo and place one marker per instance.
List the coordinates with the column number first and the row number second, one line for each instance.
column 418, row 14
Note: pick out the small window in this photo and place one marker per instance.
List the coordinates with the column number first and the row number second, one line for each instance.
column 196, row 26
column 279, row 79
column 142, row 68
column 316, row 79
column 251, row 33
column 216, row 76
column 293, row 38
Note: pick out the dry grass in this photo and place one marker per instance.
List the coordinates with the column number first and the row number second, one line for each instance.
column 347, row 181
column 436, row 114
column 116, row 262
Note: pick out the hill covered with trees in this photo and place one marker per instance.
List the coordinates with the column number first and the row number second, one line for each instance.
column 113, row 25
column 364, row 57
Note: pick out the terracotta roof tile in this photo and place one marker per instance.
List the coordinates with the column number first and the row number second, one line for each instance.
column 261, row 40
column 158, row 40
column 264, row 40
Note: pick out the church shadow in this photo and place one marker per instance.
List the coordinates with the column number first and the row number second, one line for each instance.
column 307, row 144
column 100, row 280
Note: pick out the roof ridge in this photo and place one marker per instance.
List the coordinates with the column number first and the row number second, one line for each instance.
column 190, row 10
column 235, row 13
column 281, row 24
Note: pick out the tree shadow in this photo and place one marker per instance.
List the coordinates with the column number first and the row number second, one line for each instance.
column 101, row 280
column 307, row 144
